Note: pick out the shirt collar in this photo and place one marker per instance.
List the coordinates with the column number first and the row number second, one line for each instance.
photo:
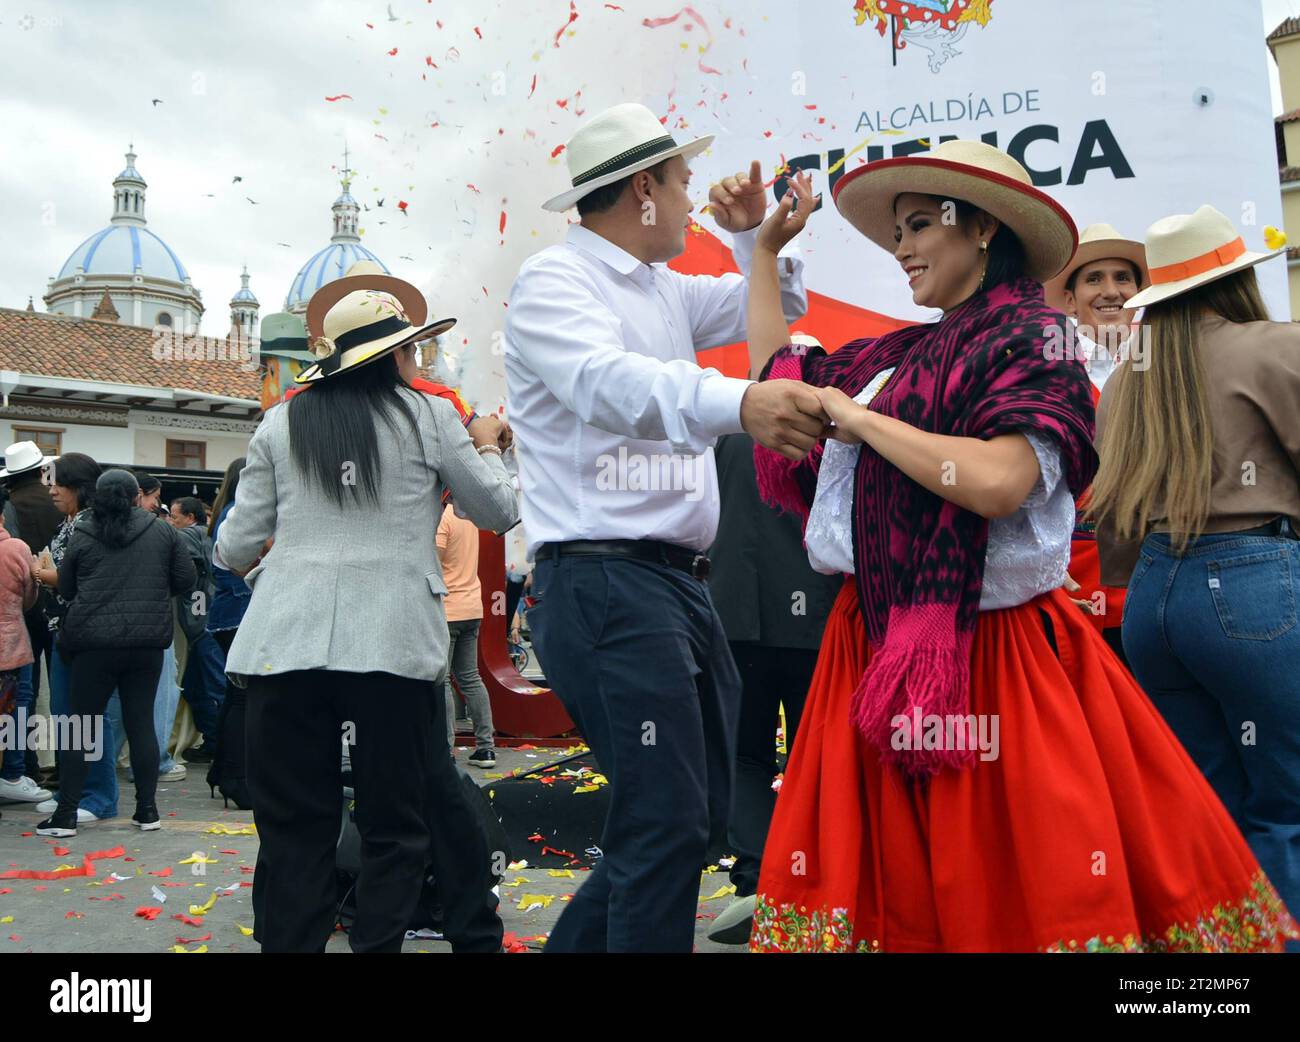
column 605, row 251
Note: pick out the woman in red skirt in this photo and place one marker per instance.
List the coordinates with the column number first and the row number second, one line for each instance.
column 974, row 769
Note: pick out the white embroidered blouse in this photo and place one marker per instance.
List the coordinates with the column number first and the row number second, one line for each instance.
column 1027, row 553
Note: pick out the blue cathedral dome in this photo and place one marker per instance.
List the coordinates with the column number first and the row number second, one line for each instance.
column 325, row 266
column 121, row 248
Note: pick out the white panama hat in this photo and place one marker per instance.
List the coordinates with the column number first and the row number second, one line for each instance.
column 1187, row 250
column 618, row 142
column 22, row 456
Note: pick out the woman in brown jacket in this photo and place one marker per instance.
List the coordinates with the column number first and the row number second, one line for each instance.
column 1199, row 436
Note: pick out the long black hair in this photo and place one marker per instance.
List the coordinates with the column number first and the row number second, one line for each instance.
column 332, row 436
column 114, row 499
column 226, row 494
column 78, row 472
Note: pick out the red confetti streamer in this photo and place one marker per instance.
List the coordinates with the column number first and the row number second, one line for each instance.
column 61, row 851
column 614, row 7
column 6, row 890
column 573, row 17
column 392, row 52
column 536, row 837
column 502, row 227
column 468, row 185
column 369, row 26
column 188, row 920
column 338, row 97
column 162, row 871
column 534, row 85
column 148, row 912
column 556, row 151
column 73, row 915
column 560, row 853
column 477, row 33
column 86, row 869
column 235, row 852
column 194, row 940
column 428, row 60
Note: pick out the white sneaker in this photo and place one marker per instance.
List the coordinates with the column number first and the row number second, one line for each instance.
column 83, row 816
column 24, row 790
column 177, row 773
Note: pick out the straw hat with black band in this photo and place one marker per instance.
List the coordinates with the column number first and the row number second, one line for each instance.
column 615, row 144
column 1098, row 242
column 972, row 172
column 361, row 325
column 1185, row 251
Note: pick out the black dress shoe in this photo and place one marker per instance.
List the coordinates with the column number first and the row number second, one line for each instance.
column 203, row 754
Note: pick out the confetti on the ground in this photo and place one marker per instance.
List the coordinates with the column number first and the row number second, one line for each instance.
column 245, row 930
column 146, row 912
column 86, row 868
column 530, row 901
column 722, row 891
column 224, row 830
column 204, row 908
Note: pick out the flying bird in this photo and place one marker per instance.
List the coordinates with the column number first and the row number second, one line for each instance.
column 391, row 17
column 405, row 257
column 380, row 203
column 253, row 201
column 284, row 244
column 157, row 102
column 235, row 178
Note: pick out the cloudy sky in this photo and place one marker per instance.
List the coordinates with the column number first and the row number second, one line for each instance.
column 242, row 87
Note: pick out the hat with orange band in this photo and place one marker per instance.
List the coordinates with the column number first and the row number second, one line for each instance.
column 1188, row 250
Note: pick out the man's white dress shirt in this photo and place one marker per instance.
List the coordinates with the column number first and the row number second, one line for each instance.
column 614, row 420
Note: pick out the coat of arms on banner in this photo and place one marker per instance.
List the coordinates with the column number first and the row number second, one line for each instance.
column 932, row 25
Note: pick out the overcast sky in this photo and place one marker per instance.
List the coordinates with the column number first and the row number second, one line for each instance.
column 242, row 85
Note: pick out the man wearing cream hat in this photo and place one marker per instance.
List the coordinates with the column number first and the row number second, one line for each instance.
column 604, row 391
column 1094, row 289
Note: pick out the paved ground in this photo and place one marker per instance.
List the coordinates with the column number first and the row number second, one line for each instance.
column 97, row 913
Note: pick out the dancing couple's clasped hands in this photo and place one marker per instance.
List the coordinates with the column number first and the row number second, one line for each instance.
column 788, row 416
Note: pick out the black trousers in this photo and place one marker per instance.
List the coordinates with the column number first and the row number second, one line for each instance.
column 93, row 676
column 769, row 677
column 38, row 631
column 403, row 777
column 637, row 655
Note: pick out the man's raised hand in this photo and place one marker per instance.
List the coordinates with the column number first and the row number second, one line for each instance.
column 739, row 202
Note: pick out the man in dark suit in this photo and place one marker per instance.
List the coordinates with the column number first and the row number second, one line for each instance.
column 773, row 608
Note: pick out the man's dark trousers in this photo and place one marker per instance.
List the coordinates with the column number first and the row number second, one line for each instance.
column 638, row 657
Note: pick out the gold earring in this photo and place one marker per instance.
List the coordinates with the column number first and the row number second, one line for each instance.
column 983, row 246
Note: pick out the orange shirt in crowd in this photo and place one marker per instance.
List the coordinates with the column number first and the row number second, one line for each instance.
column 458, row 550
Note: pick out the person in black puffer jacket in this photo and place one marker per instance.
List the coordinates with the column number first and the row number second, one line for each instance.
column 121, row 569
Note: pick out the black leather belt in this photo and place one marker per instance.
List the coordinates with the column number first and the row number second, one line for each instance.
column 1279, row 527
column 691, row 562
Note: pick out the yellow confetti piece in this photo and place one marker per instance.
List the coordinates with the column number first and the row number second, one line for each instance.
column 561, row 873
column 1274, row 238
column 181, row 950
column 535, row 901
column 7, row 919
column 515, row 882
column 246, row 931
column 199, row 859
column 586, row 788
column 223, row 830
column 204, row 908
column 722, row 891
column 515, row 866
column 711, row 868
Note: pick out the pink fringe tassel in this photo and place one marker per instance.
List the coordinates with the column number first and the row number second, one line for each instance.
column 910, row 676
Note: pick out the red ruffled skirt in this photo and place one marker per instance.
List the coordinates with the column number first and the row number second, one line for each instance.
column 1092, row 830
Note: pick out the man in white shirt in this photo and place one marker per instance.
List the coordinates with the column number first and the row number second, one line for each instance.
column 615, row 424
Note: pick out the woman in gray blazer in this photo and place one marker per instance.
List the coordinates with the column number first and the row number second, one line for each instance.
column 345, row 633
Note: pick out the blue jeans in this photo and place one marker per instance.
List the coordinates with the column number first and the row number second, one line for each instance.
column 1214, row 639
column 99, row 795
column 204, row 684
column 164, row 713
column 15, row 760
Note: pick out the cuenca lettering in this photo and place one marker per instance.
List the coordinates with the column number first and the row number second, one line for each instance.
column 102, row 996
column 1097, row 150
